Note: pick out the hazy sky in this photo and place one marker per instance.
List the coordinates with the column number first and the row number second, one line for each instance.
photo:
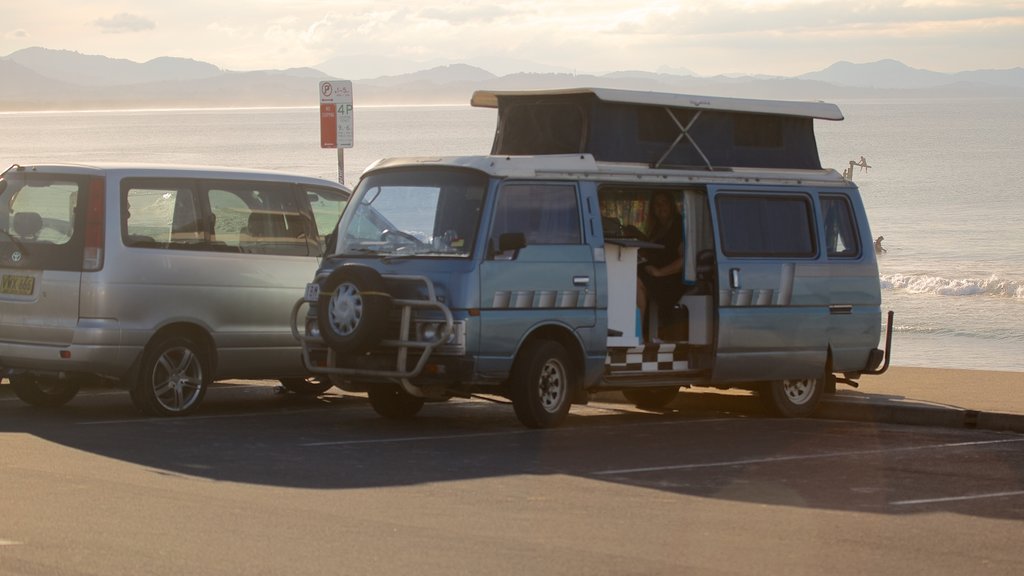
column 782, row 37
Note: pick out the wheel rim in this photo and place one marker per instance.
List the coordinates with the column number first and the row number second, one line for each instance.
column 177, row 379
column 799, row 392
column 346, row 309
column 552, row 385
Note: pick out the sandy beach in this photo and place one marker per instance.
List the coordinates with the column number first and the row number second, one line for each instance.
column 982, row 390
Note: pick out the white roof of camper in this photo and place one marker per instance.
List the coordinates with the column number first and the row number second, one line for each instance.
column 583, row 166
column 822, row 110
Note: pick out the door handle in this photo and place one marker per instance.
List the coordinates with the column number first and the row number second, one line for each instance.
column 840, row 308
column 580, row 280
column 734, row 278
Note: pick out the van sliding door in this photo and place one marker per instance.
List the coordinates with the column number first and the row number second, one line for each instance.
column 772, row 286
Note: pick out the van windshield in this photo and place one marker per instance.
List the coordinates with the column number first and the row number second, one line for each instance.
column 423, row 212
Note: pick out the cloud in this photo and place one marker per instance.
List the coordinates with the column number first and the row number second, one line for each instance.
column 124, row 22
column 19, row 33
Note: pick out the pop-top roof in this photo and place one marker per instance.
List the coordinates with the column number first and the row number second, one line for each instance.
column 821, row 110
column 657, row 129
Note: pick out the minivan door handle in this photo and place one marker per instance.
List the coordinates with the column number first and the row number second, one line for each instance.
column 734, row 278
column 580, row 280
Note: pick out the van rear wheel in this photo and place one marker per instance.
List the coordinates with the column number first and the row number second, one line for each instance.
column 541, row 384
column 173, row 378
column 44, row 391
column 792, row 398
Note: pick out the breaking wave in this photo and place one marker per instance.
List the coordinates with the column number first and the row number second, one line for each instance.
column 991, row 286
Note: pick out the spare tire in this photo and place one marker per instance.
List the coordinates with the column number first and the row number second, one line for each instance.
column 353, row 309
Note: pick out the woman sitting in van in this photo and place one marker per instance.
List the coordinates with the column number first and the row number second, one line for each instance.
column 660, row 274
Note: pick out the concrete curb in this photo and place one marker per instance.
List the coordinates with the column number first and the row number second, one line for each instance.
column 919, row 415
column 867, row 410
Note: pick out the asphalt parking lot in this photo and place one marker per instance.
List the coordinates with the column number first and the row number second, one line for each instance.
column 260, row 482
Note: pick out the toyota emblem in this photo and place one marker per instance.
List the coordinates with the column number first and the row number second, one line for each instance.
column 16, row 256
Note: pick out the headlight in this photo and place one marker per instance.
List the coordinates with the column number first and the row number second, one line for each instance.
column 429, row 331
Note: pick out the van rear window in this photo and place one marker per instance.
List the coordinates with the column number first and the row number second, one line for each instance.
column 38, row 227
column 766, row 226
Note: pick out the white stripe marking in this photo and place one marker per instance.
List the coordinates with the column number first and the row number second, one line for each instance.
column 9, row 543
column 174, row 420
column 957, row 498
column 798, row 457
column 508, row 433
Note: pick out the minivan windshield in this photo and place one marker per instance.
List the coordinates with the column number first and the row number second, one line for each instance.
column 419, row 212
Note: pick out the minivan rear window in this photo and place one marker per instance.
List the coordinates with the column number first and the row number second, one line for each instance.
column 766, row 226
column 40, row 222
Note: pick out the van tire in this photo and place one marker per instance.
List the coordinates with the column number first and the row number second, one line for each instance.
column 311, row 386
column 44, row 391
column 541, row 384
column 651, row 397
column 796, row 398
column 352, row 309
column 392, row 402
column 173, row 377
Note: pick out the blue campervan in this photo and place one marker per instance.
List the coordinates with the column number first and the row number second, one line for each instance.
column 521, row 273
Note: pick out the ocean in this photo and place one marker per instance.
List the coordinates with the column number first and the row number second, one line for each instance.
column 945, row 188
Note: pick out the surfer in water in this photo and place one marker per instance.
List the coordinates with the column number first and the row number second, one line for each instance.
column 878, row 245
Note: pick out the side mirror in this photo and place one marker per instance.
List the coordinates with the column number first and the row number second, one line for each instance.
column 511, row 241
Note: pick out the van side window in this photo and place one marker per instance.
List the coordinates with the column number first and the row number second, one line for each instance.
column 327, row 206
column 544, row 213
column 840, row 230
column 766, row 226
column 260, row 218
column 159, row 213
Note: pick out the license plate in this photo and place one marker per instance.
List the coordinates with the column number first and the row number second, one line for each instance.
column 312, row 292
column 18, row 285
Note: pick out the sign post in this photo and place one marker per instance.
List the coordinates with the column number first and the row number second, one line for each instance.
column 336, row 126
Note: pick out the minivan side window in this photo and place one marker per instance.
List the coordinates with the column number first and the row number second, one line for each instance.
column 544, row 213
column 220, row 216
column 260, row 218
column 327, row 205
column 840, row 230
column 160, row 214
column 766, row 226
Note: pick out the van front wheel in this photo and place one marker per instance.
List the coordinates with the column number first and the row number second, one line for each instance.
column 394, row 403
column 792, row 398
column 173, row 378
column 44, row 391
column 541, row 384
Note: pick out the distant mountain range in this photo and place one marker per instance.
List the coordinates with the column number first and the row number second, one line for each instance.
column 45, row 79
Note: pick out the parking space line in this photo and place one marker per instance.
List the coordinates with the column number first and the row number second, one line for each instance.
column 956, row 498
column 744, row 462
column 174, row 420
column 9, row 543
column 416, row 438
column 516, row 432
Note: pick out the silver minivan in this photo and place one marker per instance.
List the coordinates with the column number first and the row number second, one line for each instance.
column 161, row 278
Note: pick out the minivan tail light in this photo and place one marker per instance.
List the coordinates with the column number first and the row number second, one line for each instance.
column 92, row 257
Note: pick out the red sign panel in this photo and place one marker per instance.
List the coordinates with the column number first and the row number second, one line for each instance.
column 328, row 125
